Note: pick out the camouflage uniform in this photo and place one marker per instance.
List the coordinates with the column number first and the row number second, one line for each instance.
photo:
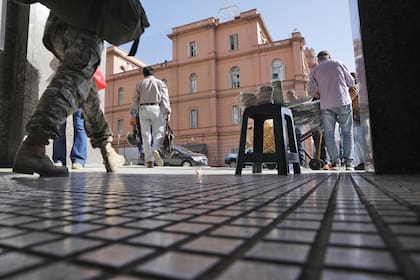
column 72, row 87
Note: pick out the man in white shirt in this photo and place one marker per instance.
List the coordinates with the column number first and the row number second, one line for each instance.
column 151, row 101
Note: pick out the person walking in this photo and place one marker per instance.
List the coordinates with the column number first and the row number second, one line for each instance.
column 151, row 102
column 72, row 88
column 331, row 80
column 78, row 152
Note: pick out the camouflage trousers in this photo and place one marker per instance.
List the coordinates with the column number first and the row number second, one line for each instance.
column 72, row 86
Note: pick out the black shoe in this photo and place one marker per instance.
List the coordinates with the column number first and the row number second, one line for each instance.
column 360, row 166
column 31, row 158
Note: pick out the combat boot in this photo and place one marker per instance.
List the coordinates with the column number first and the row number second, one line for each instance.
column 112, row 159
column 31, row 158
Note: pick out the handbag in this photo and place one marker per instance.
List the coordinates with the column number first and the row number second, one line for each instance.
column 134, row 138
column 99, row 79
column 168, row 142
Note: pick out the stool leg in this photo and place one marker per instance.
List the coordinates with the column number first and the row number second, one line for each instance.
column 294, row 151
column 281, row 146
column 242, row 141
column 258, row 142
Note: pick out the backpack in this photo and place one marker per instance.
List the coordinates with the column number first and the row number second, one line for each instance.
column 116, row 21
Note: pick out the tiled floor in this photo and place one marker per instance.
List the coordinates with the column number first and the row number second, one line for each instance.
column 213, row 225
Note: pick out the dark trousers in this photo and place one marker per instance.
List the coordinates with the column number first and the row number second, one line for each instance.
column 301, row 151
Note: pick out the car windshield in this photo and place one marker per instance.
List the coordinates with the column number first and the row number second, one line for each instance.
column 183, row 150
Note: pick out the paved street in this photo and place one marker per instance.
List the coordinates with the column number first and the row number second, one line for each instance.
column 192, row 223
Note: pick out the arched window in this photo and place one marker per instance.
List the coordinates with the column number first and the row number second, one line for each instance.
column 235, row 77
column 120, row 96
column 193, row 83
column 278, row 70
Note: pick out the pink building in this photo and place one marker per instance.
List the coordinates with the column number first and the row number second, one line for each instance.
column 213, row 62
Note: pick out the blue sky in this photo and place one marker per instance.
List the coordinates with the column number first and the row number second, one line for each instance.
column 325, row 24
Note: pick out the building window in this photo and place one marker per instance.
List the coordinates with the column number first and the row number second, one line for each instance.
column 120, row 127
column 192, row 49
column 194, row 118
column 236, row 115
column 120, row 96
column 278, row 70
column 193, row 83
column 233, row 42
column 235, row 77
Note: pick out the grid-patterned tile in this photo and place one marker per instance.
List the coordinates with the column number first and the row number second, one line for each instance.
column 179, row 265
column 159, row 239
column 116, row 255
column 214, row 245
column 247, row 270
column 59, row 271
column 142, row 226
column 29, row 239
column 15, row 261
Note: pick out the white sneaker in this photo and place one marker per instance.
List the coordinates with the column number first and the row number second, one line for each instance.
column 158, row 159
column 76, row 165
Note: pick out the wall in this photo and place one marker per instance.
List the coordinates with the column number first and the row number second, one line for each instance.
column 390, row 34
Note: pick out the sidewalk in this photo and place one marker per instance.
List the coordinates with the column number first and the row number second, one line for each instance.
column 192, row 223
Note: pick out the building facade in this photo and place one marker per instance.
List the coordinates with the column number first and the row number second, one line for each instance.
column 213, row 62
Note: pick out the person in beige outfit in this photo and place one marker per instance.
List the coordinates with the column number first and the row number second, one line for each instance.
column 151, row 102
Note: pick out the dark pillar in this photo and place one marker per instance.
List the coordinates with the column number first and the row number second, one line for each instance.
column 390, row 34
column 18, row 83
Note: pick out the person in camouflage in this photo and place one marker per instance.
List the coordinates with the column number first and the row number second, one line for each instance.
column 71, row 88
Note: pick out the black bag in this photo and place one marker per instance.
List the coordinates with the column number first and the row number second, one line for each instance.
column 134, row 138
column 116, row 21
column 168, row 142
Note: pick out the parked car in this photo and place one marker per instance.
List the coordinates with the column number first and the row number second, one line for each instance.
column 183, row 157
column 231, row 159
